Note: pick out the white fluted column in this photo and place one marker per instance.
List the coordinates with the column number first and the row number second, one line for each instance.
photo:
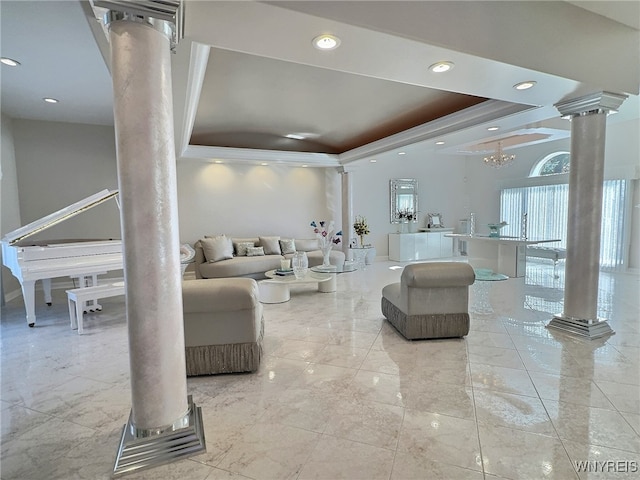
column 586, row 176
column 347, row 210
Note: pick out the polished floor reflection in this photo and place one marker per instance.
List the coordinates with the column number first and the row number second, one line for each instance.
column 340, row 394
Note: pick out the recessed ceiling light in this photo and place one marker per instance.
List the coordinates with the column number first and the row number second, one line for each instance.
column 373, row 160
column 264, row 164
column 402, row 153
column 524, row 85
column 305, row 166
column 441, row 67
column 218, row 161
column 9, row 61
column 50, row 100
column 326, row 42
column 493, row 129
column 295, row 136
column 440, row 142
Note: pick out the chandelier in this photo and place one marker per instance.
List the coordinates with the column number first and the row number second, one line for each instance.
column 499, row 159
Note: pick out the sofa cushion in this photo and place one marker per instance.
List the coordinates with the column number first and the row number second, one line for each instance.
column 287, row 245
column 237, row 241
column 217, row 248
column 306, row 244
column 271, row 245
column 240, row 266
column 241, row 248
column 255, row 251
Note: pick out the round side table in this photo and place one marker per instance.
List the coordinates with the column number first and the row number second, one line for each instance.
column 482, row 288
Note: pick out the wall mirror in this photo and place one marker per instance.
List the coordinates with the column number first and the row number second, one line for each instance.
column 403, row 197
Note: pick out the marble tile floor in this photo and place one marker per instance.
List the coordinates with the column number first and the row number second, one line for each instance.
column 341, row 395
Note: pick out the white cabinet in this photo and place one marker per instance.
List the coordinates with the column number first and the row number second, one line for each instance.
column 406, row 247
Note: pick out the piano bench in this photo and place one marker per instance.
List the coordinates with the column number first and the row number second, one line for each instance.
column 78, row 296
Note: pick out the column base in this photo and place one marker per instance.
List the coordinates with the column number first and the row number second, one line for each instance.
column 590, row 329
column 148, row 452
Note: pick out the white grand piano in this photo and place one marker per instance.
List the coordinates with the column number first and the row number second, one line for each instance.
column 30, row 261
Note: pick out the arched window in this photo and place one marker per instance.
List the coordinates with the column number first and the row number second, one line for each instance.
column 552, row 164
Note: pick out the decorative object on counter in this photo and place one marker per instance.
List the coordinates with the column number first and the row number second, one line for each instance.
column 408, row 217
column 326, row 239
column 300, row 264
column 472, row 224
column 499, row 159
column 434, row 220
column 361, row 228
column 523, row 226
column 494, row 228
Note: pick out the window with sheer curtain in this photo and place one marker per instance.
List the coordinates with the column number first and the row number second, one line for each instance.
column 547, row 212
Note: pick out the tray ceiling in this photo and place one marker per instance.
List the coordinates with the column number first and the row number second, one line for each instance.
column 249, row 101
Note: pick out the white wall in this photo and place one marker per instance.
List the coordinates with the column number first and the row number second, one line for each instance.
column 61, row 163
column 251, row 200
column 441, row 187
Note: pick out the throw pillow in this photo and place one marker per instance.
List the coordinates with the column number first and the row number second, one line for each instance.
column 271, row 245
column 255, row 251
column 217, row 248
column 288, row 245
column 241, row 248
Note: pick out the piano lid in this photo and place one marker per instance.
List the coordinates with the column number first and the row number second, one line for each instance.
column 59, row 216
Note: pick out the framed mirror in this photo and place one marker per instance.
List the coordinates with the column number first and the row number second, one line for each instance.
column 403, row 196
column 434, row 220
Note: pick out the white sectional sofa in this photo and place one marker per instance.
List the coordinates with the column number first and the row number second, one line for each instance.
column 219, row 256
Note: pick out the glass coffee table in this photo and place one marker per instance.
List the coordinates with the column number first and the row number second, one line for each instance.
column 332, row 272
column 484, row 279
column 276, row 288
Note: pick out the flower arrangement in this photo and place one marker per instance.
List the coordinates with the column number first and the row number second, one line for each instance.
column 361, row 228
column 408, row 215
column 324, row 233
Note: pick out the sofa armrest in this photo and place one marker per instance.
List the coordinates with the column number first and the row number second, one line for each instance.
column 199, row 259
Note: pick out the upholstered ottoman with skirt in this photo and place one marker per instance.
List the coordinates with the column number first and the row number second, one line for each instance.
column 223, row 325
column 430, row 301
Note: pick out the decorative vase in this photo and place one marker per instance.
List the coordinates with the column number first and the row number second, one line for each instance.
column 413, row 227
column 300, row 264
column 361, row 240
column 326, row 253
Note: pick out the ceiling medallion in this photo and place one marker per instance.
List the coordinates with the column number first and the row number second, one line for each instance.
column 499, row 159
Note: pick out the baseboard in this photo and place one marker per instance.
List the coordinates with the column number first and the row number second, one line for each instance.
column 12, row 295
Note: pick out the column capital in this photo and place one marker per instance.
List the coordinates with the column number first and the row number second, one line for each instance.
column 593, row 102
column 166, row 16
